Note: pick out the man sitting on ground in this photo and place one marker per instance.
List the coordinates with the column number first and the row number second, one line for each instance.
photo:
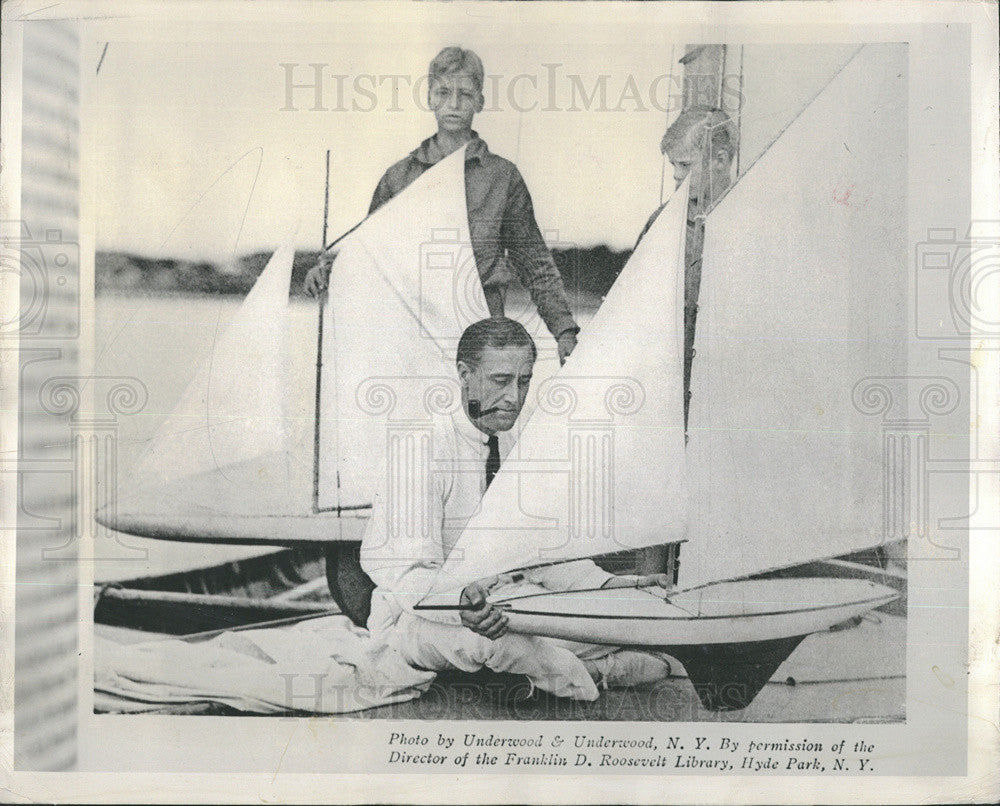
column 494, row 359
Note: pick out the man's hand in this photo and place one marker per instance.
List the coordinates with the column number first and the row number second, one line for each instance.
column 566, row 343
column 639, row 581
column 316, row 278
column 485, row 619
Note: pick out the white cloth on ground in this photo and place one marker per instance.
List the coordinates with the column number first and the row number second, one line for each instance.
column 324, row 665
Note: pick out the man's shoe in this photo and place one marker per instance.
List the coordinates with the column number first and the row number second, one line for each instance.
column 629, row 667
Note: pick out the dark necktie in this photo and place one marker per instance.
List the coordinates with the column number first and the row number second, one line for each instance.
column 493, row 460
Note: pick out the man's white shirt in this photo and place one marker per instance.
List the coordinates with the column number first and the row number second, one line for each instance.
column 431, row 484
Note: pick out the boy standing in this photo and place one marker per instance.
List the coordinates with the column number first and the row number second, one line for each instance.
column 700, row 143
column 501, row 217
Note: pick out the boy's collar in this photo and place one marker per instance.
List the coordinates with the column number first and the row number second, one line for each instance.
column 429, row 153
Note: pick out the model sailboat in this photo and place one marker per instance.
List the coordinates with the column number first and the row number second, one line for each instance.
column 231, row 464
column 802, row 301
column 403, row 288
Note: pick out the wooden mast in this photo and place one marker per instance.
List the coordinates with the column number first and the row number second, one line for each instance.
column 319, row 341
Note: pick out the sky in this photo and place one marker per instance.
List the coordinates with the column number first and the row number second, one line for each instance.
column 201, row 150
column 197, row 158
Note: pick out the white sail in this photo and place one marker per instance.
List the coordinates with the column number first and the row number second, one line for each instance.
column 236, row 408
column 403, row 288
column 225, row 466
column 599, row 466
column 802, row 299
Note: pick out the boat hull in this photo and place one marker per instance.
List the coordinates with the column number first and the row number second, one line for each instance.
column 263, row 501
column 731, row 637
column 722, row 613
column 238, row 529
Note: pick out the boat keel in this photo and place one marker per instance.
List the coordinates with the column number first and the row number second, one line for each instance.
column 728, row 677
